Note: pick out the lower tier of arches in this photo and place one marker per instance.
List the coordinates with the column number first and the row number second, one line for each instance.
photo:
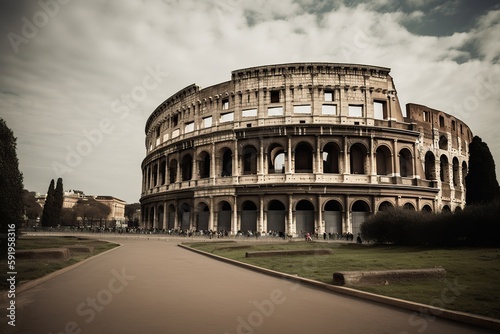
column 290, row 214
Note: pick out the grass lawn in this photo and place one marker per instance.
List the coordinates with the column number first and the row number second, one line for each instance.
column 29, row 269
column 472, row 274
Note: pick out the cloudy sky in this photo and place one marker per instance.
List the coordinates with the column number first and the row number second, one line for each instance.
column 79, row 78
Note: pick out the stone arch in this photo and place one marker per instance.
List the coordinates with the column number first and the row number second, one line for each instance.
column 249, row 216
column 430, row 166
column 303, row 158
column 405, row 163
column 331, row 154
column 187, row 167
column 384, row 160
column 443, row 142
column 304, row 217
column 385, row 205
column 159, row 217
column 203, row 216
column 163, row 170
column 172, row 171
column 224, row 218
column 464, row 172
column 276, row 159
column 409, row 206
column 427, row 208
column 358, row 158
column 444, row 173
column 226, row 167
column 204, row 164
column 171, row 217
column 155, row 175
column 332, row 216
column 456, row 172
column 360, row 210
column 446, row 209
column 249, row 159
column 185, row 217
column 276, row 216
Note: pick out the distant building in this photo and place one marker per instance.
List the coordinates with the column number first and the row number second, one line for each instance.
column 71, row 197
column 117, row 207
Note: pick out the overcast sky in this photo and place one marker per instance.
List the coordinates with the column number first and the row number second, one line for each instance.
column 79, row 78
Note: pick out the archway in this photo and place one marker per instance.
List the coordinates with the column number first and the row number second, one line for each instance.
column 249, row 162
column 430, row 166
column 171, row 217
column 358, row 159
column 385, row 206
column 204, row 165
column 249, row 216
column 172, row 171
column 304, row 217
column 187, row 167
column 185, row 217
column 444, row 173
column 360, row 212
column 225, row 217
column 333, row 217
column 276, row 159
column 384, row 161
column 276, row 216
column 405, row 163
column 331, row 158
column 202, row 217
column 303, row 158
column 159, row 218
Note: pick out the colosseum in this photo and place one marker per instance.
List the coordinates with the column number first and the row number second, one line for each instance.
column 295, row 148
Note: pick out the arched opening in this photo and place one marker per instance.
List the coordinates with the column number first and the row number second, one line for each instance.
column 276, row 215
column 204, row 165
column 163, row 168
column 303, row 158
column 443, row 142
column 187, row 167
column 430, row 166
column 331, row 158
column 405, row 163
column 384, row 206
column 360, row 212
column 159, row 217
column 155, row 175
column 427, row 208
column 225, row 217
column 464, row 172
column 249, row 162
column 358, row 159
column 203, row 217
column 249, row 216
column 384, row 161
column 333, row 217
column 456, row 172
column 444, row 173
column 446, row 209
column 409, row 206
column 172, row 171
column 151, row 217
column 185, row 217
column 276, row 158
column 304, row 217
column 227, row 163
column 171, row 217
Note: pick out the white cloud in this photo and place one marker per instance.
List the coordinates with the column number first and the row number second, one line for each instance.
column 63, row 82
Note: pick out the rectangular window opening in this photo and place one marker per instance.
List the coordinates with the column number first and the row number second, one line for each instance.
column 355, row 111
column 275, row 96
column 328, row 95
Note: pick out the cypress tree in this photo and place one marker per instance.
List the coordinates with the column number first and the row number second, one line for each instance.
column 58, row 201
column 481, row 181
column 11, row 186
column 48, row 208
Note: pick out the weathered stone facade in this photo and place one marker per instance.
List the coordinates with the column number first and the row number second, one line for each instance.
column 295, row 148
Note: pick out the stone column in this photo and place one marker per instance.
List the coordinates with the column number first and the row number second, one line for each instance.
column 290, row 229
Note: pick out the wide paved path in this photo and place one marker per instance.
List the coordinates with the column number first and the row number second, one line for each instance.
column 153, row 286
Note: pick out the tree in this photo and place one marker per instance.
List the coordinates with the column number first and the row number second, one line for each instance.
column 48, row 207
column 58, row 201
column 481, row 181
column 131, row 214
column 90, row 210
column 32, row 209
column 11, row 187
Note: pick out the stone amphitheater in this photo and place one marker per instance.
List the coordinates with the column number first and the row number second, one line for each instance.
column 296, row 148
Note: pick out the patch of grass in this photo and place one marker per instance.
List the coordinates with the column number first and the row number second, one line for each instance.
column 471, row 284
column 29, row 269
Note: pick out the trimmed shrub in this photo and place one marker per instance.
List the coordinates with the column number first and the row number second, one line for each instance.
column 475, row 226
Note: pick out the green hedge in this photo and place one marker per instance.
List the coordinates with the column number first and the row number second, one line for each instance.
column 475, row 226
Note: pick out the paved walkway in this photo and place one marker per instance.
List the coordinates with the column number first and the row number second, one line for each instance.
column 153, row 286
